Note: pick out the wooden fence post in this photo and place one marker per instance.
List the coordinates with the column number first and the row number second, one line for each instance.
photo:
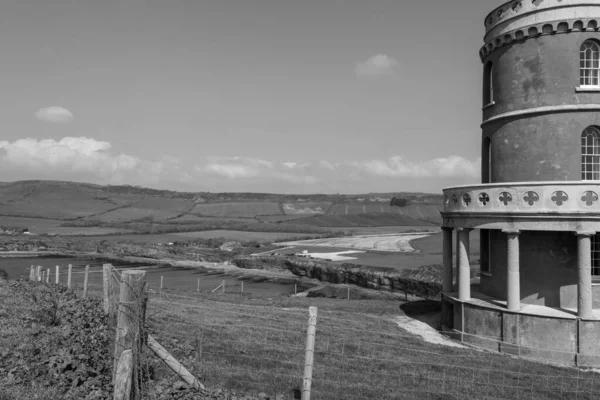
column 310, row 352
column 107, row 286
column 39, row 273
column 242, row 286
column 69, row 274
column 48, row 275
column 223, row 288
column 85, row 281
column 161, row 282
column 198, row 288
column 32, row 273
column 123, row 376
column 130, row 319
column 57, row 279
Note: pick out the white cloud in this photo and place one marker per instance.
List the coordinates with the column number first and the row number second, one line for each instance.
column 54, row 114
column 454, row 166
column 380, row 64
column 229, row 170
column 90, row 160
column 70, row 153
column 326, row 165
column 398, row 166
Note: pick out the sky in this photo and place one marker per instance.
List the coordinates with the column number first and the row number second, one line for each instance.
column 282, row 96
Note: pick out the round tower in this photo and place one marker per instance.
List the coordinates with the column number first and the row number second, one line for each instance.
column 537, row 211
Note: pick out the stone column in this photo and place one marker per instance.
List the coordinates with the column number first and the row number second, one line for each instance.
column 584, row 285
column 513, row 281
column 447, row 261
column 463, row 265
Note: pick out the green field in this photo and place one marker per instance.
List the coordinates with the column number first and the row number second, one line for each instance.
column 427, row 212
column 240, row 209
column 358, row 220
column 134, row 213
column 227, row 234
column 306, row 208
column 115, row 206
column 52, row 226
column 58, row 201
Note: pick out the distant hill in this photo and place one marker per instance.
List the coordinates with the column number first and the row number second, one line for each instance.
column 73, row 201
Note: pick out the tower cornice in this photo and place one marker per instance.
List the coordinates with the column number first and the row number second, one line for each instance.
column 519, row 20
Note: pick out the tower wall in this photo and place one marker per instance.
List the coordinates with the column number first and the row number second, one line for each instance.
column 538, row 115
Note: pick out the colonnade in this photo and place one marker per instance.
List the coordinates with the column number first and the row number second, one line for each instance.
column 513, row 289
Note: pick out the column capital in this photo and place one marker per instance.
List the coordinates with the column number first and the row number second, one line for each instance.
column 585, row 233
column 447, row 228
column 511, row 231
column 464, row 229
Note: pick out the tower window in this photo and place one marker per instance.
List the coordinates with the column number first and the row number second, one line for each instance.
column 589, row 67
column 590, row 154
column 488, row 85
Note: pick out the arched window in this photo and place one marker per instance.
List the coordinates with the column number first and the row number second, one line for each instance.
column 488, row 86
column 589, row 68
column 590, row 154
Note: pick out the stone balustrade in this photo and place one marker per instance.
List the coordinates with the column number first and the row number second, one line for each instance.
column 528, row 197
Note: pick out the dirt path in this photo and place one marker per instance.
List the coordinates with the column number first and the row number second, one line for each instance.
column 424, row 330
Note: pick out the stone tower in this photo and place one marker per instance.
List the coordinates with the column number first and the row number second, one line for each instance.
column 537, row 209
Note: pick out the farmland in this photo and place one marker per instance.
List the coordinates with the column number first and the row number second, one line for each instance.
column 135, row 213
column 422, row 212
column 84, row 206
column 306, row 208
column 242, row 210
column 355, row 220
column 187, row 236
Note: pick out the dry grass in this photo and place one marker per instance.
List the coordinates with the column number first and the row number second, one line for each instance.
column 241, row 209
column 247, row 343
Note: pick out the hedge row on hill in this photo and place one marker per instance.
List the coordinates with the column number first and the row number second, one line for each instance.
column 425, row 281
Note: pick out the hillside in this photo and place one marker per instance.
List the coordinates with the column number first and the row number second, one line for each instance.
column 86, row 205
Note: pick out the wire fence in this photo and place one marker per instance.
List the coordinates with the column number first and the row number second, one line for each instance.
column 262, row 348
column 214, row 336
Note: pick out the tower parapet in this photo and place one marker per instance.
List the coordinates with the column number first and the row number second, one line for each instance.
column 518, row 20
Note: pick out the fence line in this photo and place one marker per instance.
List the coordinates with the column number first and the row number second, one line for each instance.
column 265, row 348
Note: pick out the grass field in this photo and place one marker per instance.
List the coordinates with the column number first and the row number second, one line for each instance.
column 190, row 218
column 185, row 236
column 306, row 208
column 112, row 204
column 160, row 203
column 134, row 213
column 239, row 209
column 426, row 212
column 361, row 352
column 51, row 226
column 255, row 342
column 360, row 220
column 59, row 201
